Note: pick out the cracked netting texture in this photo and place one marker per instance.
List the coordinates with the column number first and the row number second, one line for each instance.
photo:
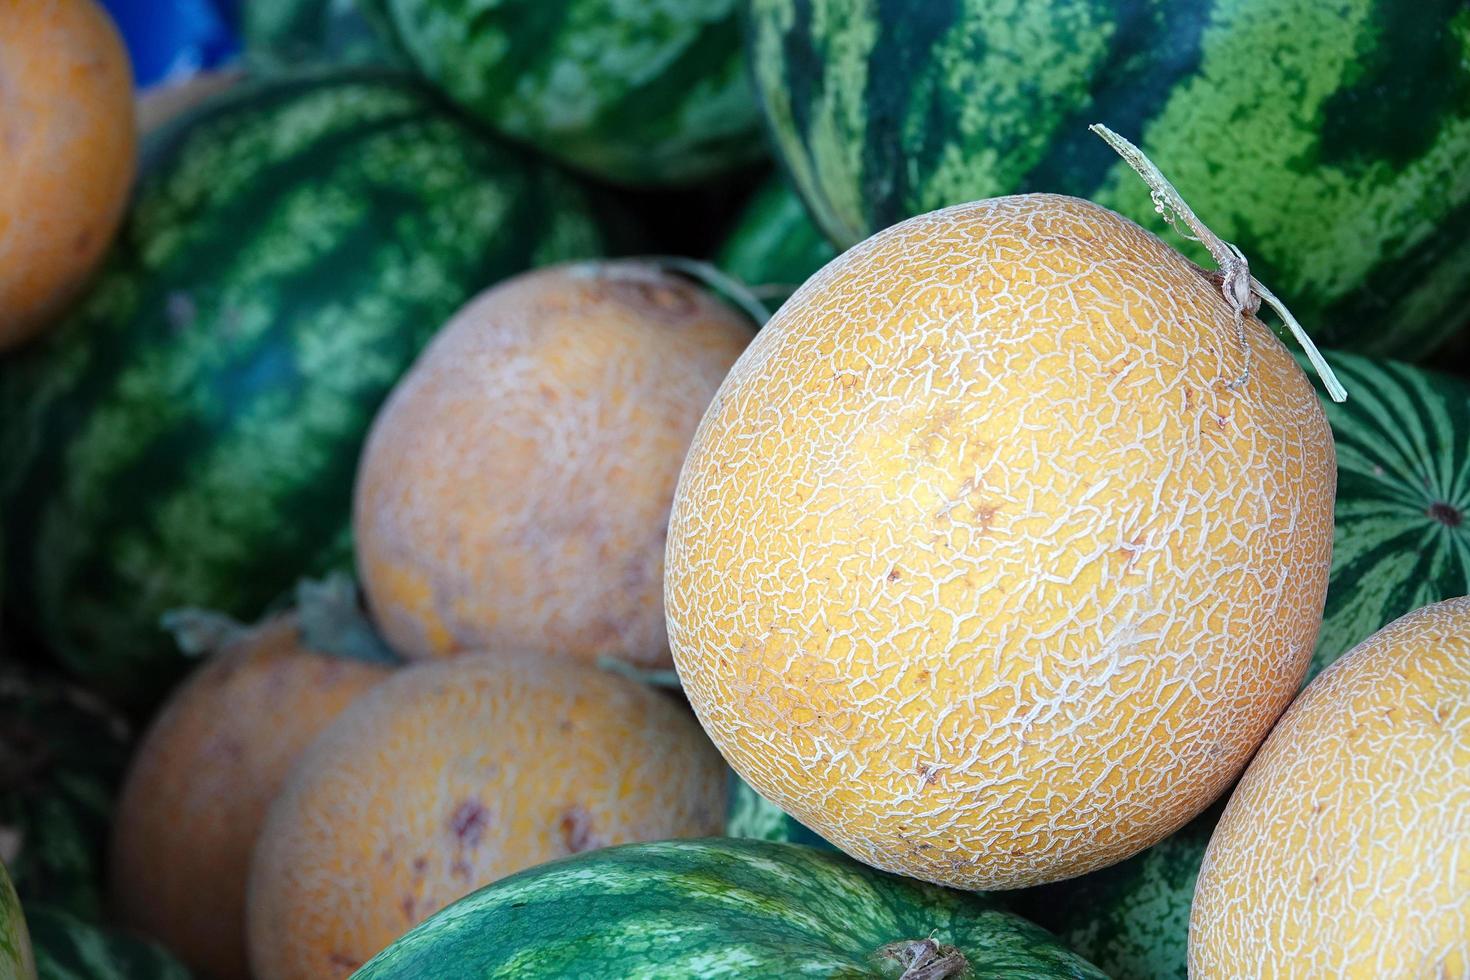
column 974, row 566
column 1345, row 851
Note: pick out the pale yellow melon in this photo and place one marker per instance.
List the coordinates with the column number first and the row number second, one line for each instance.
column 979, row 567
column 1345, row 850
column 514, row 493
column 456, row 773
column 67, row 155
column 203, row 777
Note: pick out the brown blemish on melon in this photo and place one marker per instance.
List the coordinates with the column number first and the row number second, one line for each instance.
column 576, row 830
column 468, row 822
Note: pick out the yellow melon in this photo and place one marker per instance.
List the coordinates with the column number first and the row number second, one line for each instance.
column 456, row 773
column 203, row 777
column 514, row 492
column 979, row 566
column 67, row 154
column 1345, row 850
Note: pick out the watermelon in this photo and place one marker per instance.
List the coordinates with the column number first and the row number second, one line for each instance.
column 1329, row 141
column 188, row 436
column 721, row 908
column 283, row 33
column 62, row 754
column 1401, row 540
column 1402, row 530
column 750, row 815
column 16, row 960
column 774, row 247
column 68, row 948
column 631, row 92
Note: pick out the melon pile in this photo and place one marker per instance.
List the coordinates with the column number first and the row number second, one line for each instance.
column 721, row 489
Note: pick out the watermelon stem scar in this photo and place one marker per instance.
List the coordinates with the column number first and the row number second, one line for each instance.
column 1243, row 291
column 925, row 959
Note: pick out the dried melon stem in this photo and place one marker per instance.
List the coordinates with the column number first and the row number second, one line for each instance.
column 333, row 621
column 925, row 959
column 733, row 290
column 1243, row 291
column 201, row 632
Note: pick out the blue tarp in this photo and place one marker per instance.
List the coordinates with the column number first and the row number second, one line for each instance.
column 171, row 39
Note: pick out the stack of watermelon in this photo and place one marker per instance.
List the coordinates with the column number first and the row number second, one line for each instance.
column 367, row 306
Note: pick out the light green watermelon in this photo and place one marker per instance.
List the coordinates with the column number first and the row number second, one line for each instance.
column 1329, row 141
column 62, row 755
column 774, row 247
column 721, row 908
column 69, row 949
column 1401, row 541
column 16, row 959
column 188, row 437
column 642, row 92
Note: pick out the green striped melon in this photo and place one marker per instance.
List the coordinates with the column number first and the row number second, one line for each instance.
column 279, row 34
column 68, row 948
column 627, row 90
column 189, row 436
column 720, row 908
column 774, row 247
column 1402, row 534
column 16, row 959
column 62, row 754
column 1330, row 141
column 1401, row 540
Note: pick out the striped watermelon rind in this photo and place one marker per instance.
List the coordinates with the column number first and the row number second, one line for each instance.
column 62, row 754
column 1401, row 538
column 719, row 907
column 1401, row 541
column 1331, row 142
column 188, row 437
column 281, row 34
column 628, row 91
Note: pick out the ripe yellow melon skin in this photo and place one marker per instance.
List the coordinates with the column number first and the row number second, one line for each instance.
column 514, row 492
column 202, row 779
column 67, row 155
column 977, row 568
column 456, row 773
column 1345, row 850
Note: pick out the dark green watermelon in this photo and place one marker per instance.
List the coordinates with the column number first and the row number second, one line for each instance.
column 774, row 247
column 631, row 92
column 1401, row 541
column 1402, row 531
column 62, row 755
column 188, row 437
column 67, row 948
column 1329, row 141
column 284, row 33
column 720, row 908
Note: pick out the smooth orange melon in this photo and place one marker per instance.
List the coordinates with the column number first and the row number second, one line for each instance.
column 514, row 493
column 1345, row 850
column 457, row 773
column 203, row 777
column 67, row 154
column 978, row 565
